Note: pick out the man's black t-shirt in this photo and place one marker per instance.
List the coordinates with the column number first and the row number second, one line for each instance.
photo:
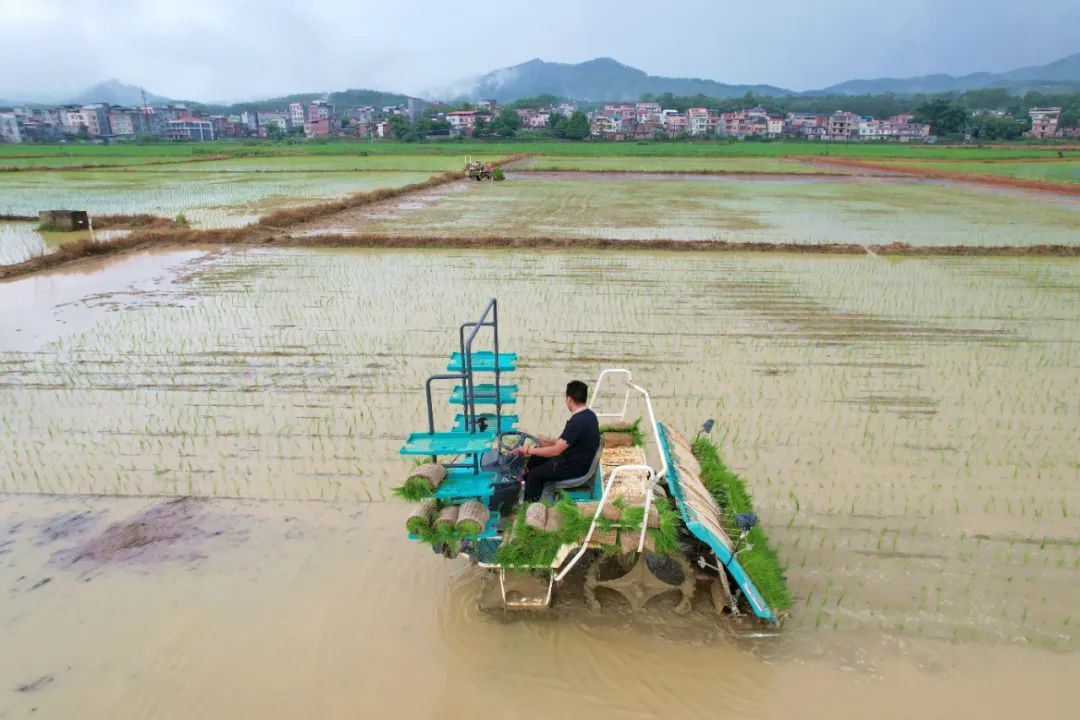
column 582, row 436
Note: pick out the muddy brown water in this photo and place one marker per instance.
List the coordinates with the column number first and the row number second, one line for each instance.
column 320, row 610
column 905, row 426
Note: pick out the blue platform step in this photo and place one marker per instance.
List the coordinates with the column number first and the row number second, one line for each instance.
column 464, row 484
column 484, row 361
column 509, row 422
column 448, row 443
column 485, row 394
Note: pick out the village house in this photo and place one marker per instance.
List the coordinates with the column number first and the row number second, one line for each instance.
column 317, row 128
column 363, row 115
column 602, row 125
column 191, row 128
column 903, row 128
column 121, row 121
column 540, row 119
column 9, row 128
column 461, row 121
column 298, row 114
column 675, row 122
column 320, row 110
column 697, row 121
column 648, row 113
column 774, row 126
column 1044, row 122
column 566, row 109
column 843, row 125
column 267, row 118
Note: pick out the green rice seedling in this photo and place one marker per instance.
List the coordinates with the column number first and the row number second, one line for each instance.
column 758, row 559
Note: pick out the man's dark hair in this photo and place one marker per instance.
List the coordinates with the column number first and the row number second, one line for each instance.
column 577, row 391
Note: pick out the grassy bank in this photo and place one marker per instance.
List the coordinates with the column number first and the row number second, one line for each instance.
column 25, row 154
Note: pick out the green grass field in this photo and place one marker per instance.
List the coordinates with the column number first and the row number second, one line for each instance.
column 697, row 148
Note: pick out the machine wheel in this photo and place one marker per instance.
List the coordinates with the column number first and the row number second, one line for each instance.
column 648, row 576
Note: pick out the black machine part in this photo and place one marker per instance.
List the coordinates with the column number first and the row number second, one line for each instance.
column 510, row 468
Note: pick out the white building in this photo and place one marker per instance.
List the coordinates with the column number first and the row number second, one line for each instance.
column 297, row 114
column 71, row 120
column 191, row 128
column 9, row 128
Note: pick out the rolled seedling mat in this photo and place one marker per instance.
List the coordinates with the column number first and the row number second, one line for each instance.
column 433, row 473
column 553, row 523
column 618, row 439
column 472, row 517
column 611, row 511
column 536, row 515
column 603, row 537
column 447, row 516
column 628, row 540
column 654, row 517
column 420, row 518
column 617, row 427
column 650, row 543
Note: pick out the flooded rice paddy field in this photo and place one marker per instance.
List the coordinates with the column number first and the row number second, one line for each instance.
column 21, row 241
column 1062, row 171
column 675, row 164
column 206, row 199
column 792, row 210
column 908, row 428
column 329, row 163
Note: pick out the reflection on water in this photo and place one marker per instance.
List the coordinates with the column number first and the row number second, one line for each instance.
column 20, row 241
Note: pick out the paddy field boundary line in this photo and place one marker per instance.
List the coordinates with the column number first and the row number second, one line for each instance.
column 274, row 230
column 938, row 174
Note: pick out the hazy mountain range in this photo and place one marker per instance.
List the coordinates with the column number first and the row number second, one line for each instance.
column 608, row 79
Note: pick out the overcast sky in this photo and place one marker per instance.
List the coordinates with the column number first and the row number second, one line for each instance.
column 239, row 49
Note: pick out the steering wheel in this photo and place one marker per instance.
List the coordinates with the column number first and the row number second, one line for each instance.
column 510, row 440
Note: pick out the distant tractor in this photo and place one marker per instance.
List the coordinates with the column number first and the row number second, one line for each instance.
column 478, row 170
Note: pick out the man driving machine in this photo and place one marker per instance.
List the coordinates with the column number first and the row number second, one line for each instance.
column 571, row 454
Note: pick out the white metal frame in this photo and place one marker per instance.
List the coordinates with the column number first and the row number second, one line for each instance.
column 654, row 476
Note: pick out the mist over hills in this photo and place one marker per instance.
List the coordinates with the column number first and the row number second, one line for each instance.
column 607, row 79
column 1060, row 75
column 604, row 79
column 599, row 79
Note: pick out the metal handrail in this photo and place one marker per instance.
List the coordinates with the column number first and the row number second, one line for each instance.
column 600, row 509
column 466, row 376
column 626, row 402
column 466, row 358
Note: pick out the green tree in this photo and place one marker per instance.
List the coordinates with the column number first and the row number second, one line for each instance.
column 274, row 132
column 399, row 126
column 995, row 128
column 510, row 119
column 557, row 125
column 577, row 127
column 987, row 99
column 943, row 116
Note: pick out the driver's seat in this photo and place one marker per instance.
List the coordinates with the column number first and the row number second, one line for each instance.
column 551, row 489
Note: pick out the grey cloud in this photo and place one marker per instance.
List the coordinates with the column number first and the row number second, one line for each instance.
column 232, row 49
